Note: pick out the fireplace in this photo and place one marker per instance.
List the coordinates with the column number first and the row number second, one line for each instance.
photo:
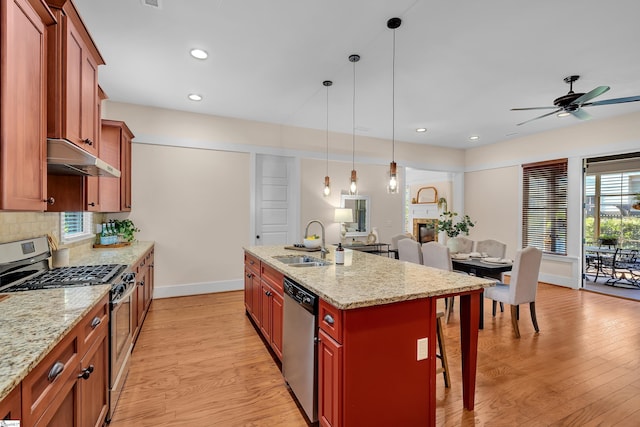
column 424, row 230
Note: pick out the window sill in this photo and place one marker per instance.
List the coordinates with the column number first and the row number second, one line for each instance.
column 78, row 238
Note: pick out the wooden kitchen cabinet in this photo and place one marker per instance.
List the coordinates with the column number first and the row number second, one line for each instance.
column 69, row 387
column 23, row 107
column 73, row 61
column 359, row 349
column 264, row 301
column 144, row 290
column 10, row 406
column 115, row 149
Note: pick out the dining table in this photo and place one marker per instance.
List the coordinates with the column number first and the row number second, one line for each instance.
column 613, row 263
column 481, row 267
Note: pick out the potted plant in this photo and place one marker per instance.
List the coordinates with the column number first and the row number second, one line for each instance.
column 452, row 228
column 608, row 240
column 126, row 228
column 636, row 202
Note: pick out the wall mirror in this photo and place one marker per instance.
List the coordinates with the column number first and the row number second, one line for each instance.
column 361, row 208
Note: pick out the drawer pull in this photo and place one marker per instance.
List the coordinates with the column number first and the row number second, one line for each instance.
column 329, row 319
column 249, row 275
column 87, row 141
column 86, row 372
column 55, row 370
column 95, row 322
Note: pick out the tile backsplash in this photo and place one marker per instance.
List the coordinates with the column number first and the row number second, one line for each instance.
column 25, row 225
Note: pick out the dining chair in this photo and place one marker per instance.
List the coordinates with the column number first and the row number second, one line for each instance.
column 409, row 250
column 522, row 287
column 463, row 244
column 492, row 248
column 394, row 242
column 437, row 255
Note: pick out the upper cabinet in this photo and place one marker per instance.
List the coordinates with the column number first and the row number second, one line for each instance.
column 115, row 149
column 72, row 100
column 23, row 73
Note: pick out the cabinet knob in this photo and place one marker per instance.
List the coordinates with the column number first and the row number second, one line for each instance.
column 91, row 204
column 141, row 283
column 249, row 275
column 50, row 200
column 86, row 372
column 87, row 141
column 55, row 370
column 128, row 206
column 329, row 319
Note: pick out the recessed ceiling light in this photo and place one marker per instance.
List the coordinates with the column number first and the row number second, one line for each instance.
column 474, row 137
column 195, row 97
column 199, row 53
column 563, row 114
column 421, row 130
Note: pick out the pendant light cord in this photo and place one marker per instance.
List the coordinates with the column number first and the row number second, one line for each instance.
column 327, row 86
column 393, row 100
column 353, row 143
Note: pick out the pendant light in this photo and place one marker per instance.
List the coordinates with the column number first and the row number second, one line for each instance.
column 392, row 187
column 353, row 187
column 327, row 184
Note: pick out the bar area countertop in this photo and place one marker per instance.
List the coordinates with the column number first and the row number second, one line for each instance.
column 33, row 322
column 370, row 279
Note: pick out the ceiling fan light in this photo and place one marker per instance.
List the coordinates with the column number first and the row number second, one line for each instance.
column 195, row 97
column 564, row 114
column 474, row 138
column 420, row 130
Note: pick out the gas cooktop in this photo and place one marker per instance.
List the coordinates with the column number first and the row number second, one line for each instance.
column 71, row 276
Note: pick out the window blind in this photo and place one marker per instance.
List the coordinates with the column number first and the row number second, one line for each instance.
column 76, row 225
column 544, row 206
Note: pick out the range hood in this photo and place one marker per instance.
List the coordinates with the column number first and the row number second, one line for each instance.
column 66, row 158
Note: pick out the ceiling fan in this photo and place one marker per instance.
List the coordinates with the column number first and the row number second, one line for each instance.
column 572, row 102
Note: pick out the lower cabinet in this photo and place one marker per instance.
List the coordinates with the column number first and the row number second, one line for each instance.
column 264, row 300
column 69, row 387
column 329, row 380
column 143, row 296
column 10, row 407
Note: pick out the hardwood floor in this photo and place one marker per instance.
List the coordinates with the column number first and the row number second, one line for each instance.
column 199, row 362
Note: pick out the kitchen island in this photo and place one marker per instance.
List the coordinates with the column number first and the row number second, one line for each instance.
column 377, row 339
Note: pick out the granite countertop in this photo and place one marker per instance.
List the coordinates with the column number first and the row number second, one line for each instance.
column 370, row 279
column 124, row 255
column 33, row 322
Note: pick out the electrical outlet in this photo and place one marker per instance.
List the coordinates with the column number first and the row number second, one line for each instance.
column 423, row 348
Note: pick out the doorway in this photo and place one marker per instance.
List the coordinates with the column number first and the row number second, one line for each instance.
column 611, row 225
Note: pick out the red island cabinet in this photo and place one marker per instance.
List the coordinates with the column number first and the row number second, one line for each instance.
column 370, row 369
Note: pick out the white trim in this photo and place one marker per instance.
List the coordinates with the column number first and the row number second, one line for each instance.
column 186, row 289
column 87, row 234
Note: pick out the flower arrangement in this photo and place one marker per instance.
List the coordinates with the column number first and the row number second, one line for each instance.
column 452, row 228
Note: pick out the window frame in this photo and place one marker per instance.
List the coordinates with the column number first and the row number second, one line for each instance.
column 87, row 228
column 544, row 204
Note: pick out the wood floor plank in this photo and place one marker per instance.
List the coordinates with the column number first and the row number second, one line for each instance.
column 200, row 362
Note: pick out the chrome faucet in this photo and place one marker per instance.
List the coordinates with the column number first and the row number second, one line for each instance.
column 323, row 249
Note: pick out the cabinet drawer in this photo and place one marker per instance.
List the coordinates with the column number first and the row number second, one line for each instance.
column 93, row 325
column 330, row 319
column 273, row 277
column 49, row 377
column 252, row 262
column 11, row 404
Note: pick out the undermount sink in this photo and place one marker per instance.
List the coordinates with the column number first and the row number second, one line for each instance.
column 301, row 261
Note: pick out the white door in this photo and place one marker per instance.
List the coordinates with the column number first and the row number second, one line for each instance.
column 276, row 210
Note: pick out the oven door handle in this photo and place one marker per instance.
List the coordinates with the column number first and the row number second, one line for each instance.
column 124, row 297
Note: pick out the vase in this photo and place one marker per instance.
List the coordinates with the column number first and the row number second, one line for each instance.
column 453, row 244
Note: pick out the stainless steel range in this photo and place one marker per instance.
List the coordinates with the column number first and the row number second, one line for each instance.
column 24, row 266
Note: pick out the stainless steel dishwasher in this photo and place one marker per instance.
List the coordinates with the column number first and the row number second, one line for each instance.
column 299, row 355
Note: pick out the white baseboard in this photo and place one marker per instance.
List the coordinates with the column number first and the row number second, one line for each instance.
column 568, row 282
column 186, row 289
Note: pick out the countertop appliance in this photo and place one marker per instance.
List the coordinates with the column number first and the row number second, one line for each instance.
column 299, row 352
column 24, row 266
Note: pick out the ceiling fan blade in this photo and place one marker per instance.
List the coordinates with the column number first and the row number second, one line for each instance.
column 581, row 114
column 539, row 117
column 590, row 95
column 533, row 108
column 614, row 101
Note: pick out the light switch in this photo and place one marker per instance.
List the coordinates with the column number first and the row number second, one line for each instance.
column 423, row 348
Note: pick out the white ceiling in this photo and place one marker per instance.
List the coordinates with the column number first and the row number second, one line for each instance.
column 460, row 64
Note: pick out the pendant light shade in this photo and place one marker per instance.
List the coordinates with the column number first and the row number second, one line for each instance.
column 392, row 186
column 327, row 182
column 353, row 186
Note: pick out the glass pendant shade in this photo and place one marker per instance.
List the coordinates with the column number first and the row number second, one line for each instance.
column 327, row 187
column 393, row 178
column 353, row 188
